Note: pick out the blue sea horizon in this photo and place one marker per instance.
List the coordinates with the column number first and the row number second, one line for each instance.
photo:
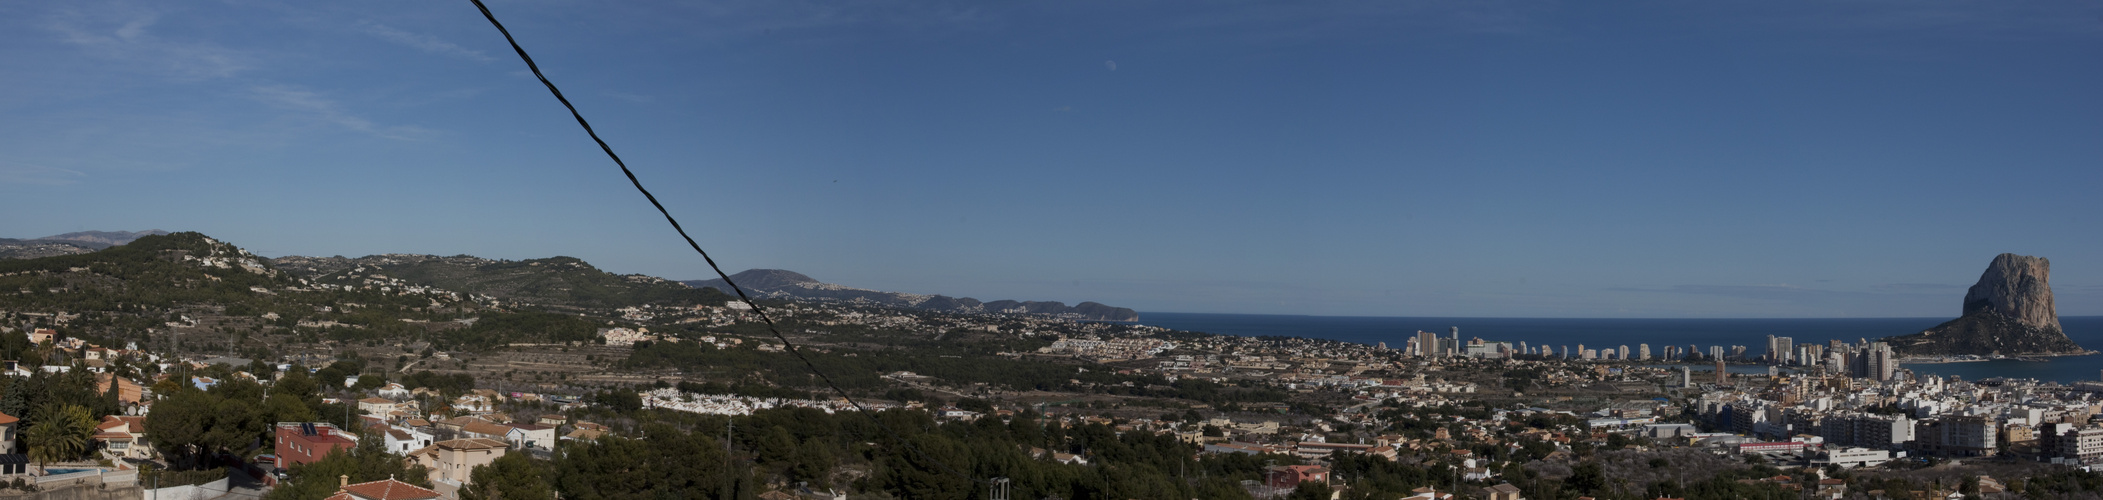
column 1596, row 333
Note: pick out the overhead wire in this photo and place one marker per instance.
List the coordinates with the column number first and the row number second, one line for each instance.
column 761, row 312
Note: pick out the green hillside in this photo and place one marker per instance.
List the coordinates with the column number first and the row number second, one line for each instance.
column 555, row 281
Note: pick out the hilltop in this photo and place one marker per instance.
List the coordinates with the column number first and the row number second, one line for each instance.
column 777, row 283
column 553, row 281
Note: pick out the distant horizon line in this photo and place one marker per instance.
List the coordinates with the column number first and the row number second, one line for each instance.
column 1945, row 318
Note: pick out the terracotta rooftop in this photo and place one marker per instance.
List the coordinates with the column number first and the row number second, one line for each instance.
column 388, row 489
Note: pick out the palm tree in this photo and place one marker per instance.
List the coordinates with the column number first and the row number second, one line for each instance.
column 60, row 433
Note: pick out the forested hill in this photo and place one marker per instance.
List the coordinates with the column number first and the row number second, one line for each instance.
column 777, row 283
column 158, row 270
column 554, row 281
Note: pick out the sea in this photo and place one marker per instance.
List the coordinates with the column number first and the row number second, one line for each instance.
column 1598, row 333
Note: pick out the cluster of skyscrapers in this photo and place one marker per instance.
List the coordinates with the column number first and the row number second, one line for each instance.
column 1871, row 360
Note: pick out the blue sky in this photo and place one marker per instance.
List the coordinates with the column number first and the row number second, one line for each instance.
column 1548, row 159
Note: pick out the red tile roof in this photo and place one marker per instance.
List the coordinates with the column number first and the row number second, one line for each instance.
column 389, row 489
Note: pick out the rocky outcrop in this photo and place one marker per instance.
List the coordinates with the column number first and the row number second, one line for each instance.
column 2009, row 312
column 778, row 283
column 2018, row 287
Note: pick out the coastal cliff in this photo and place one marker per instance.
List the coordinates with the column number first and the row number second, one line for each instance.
column 2008, row 312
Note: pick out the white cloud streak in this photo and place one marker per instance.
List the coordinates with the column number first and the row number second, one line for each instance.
column 130, row 42
column 16, row 173
column 312, row 104
column 426, row 43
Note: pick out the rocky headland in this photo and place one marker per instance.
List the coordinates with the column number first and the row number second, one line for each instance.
column 2008, row 312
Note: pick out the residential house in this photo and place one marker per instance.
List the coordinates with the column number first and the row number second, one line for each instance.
column 1287, row 477
column 385, row 489
column 472, row 403
column 123, row 437
column 403, row 440
column 456, row 424
column 1429, row 493
column 306, row 442
column 451, row 461
column 485, row 430
column 1502, row 491
column 531, row 436
column 7, row 432
column 380, row 407
column 394, row 391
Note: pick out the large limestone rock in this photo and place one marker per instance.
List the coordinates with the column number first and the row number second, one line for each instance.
column 2009, row 312
column 2017, row 287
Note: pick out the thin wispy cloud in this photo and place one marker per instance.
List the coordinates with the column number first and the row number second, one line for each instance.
column 630, row 97
column 1775, row 292
column 426, row 43
column 1944, row 16
column 314, row 105
column 126, row 37
column 18, row 173
column 1918, row 287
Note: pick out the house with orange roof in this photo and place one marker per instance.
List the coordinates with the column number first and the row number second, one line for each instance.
column 123, row 437
column 128, row 392
column 482, row 429
column 7, row 432
column 386, row 489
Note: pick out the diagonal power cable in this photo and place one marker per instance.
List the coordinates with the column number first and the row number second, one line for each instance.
column 762, row 312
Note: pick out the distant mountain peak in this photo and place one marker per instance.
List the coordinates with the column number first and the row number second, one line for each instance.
column 69, row 243
column 770, row 278
column 104, row 238
column 777, row 283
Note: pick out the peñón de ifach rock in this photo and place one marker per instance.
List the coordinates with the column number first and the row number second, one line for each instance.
column 2009, row 312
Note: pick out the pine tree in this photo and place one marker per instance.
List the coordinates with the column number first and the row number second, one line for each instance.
column 15, row 402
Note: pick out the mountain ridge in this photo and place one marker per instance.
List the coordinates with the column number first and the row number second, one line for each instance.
column 69, row 243
column 553, row 281
column 780, row 283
